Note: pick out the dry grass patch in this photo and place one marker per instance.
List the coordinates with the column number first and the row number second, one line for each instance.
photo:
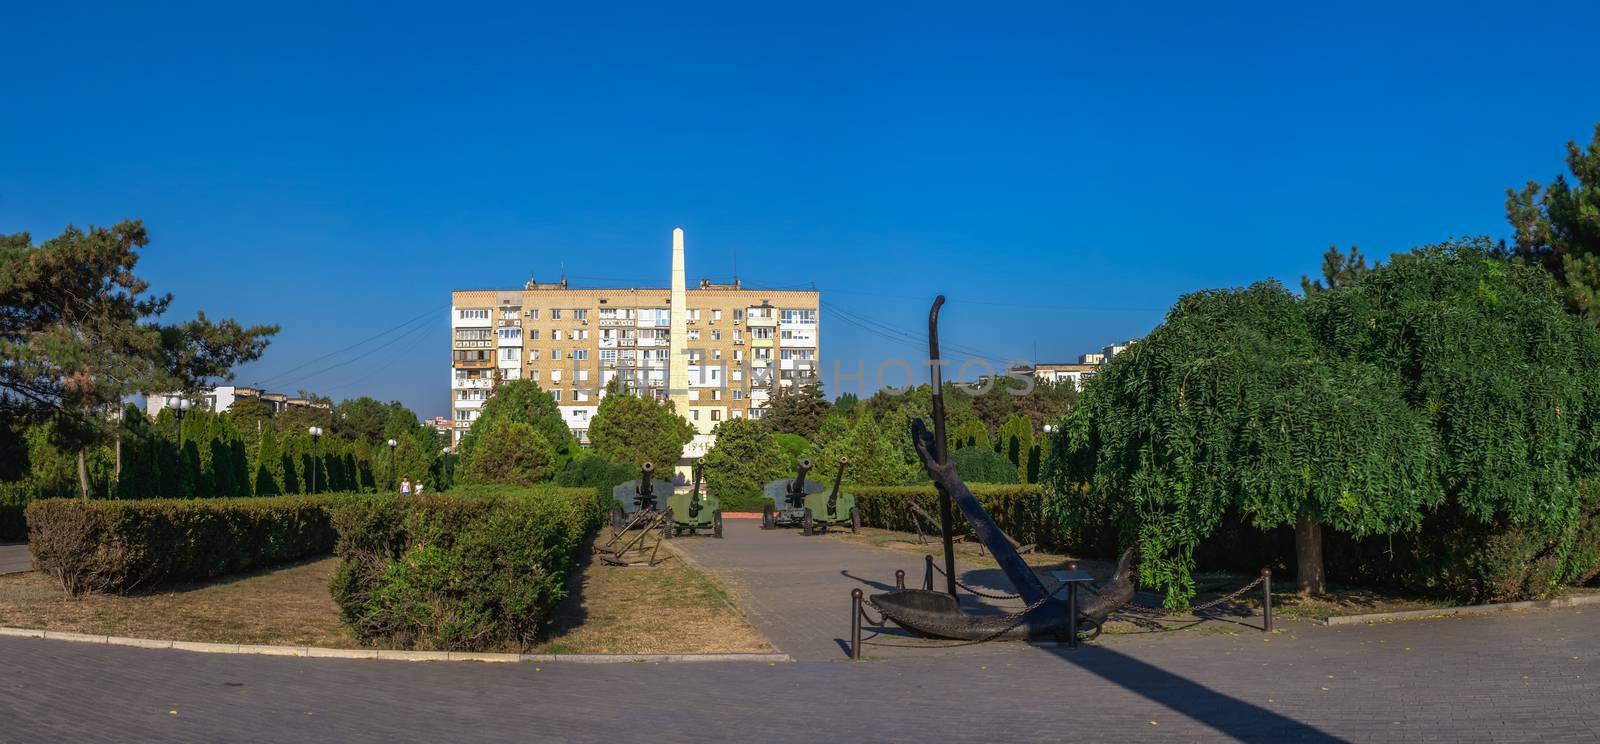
column 671, row 608
column 283, row 606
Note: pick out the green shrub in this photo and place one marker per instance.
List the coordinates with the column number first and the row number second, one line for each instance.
column 983, row 465
column 474, row 568
column 598, row 473
column 14, row 498
column 1017, row 509
column 116, row 546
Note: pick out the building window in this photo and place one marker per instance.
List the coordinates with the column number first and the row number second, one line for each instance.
column 716, row 353
column 555, row 315
column 738, row 335
column 738, row 315
column 716, row 315
column 533, row 334
column 474, row 314
column 583, row 375
column 509, row 354
column 608, row 355
column 694, row 334
column 581, row 355
column 761, row 333
column 798, row 316
column 580, row 314
column 716, row 335
column 533, row 374
column 556, row 392
column 716, row 414
column 533, row 355
column 533, row 314
column 555, row 355
column 738, row 394
column 555, row 335
column 694, row 415
column 716, row 395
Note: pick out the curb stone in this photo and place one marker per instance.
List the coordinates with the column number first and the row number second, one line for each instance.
column 1483, row 609
column 378, row 654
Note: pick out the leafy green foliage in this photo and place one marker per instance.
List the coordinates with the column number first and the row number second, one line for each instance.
column 743, row 460
column 77, row 335
column 1017, row 509
column 631, row 429
column 1558, row 227
column 1015, row 443
column 983, row 465
column 876, row 456
column 791, row 447
column 798, row 412
column 1445, row 380
column 116, row 546
column 524, row 402
column 511, row 453
column 598, row 473
column 474, row 569
column 1338, row 270
column 973, row 434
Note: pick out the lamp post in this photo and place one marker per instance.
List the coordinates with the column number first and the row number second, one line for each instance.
column 392, row 443
column 316, row 433
column 179, row 406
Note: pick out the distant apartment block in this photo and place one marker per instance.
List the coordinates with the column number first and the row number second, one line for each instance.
column 1080, row 372
column 223, row 397
column 715, row 350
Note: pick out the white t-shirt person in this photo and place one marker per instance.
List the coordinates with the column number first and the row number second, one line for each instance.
column 405, row 487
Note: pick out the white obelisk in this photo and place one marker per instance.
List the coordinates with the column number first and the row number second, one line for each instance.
column 677, row 346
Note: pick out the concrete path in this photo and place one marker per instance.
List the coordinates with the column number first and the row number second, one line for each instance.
column 795, row 590
column 1532, row 676
column 14, row 558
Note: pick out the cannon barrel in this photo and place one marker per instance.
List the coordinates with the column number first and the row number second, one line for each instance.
column 799, row 484
column 833, row 498
column 646, row 483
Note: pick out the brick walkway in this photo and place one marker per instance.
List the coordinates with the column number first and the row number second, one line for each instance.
column 14, row 558
column 1512, row 677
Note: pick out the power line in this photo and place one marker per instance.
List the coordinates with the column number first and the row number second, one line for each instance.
column 347, row 348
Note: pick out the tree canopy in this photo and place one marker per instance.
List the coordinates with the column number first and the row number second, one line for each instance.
column 632, row 429
column 78, row 333
column 521, row 401
column 1447, row 377
column 1558, row 227
column 513, row 453
column 744, row 459
column 799, row 412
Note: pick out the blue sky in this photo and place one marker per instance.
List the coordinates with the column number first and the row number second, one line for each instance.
column 1062, row 172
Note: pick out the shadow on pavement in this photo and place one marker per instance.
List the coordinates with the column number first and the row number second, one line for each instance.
column 1225, row 713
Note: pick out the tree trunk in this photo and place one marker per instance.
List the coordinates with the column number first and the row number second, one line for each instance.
column 83, row 475
column 1308, row 555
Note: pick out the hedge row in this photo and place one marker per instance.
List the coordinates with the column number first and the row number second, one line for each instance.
column 117, row 546
column 1016, row 508
column 465, row 570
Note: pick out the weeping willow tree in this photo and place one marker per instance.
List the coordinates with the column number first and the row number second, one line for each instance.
column 1445, row 380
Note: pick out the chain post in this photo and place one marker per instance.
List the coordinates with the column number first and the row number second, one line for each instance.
column 927, row 582
column 899, row 578
column 855, row 624
column 1266, row 599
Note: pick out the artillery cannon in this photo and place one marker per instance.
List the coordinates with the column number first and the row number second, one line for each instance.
column 643, row 494
column 643, row 521
column 692, row 512
column 1048, row 613
column 804, row 504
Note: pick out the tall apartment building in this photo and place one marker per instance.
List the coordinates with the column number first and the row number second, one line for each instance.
column 715, row 350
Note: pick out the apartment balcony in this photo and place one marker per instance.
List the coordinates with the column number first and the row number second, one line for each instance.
column 473, row 364
column 651, row 342
column 608, row 343
column 758, row 322
column 616, row 322
column 469, row 404
column 479, row 383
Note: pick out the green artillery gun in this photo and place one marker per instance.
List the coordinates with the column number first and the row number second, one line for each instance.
column 692, row 512
column 801, row 503
column 642, row 494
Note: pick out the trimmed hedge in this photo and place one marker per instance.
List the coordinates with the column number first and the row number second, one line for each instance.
column 1017, row 509
column 117, row 546
column 470, row 569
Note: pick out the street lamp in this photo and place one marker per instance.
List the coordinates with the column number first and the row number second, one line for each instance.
column 392, row 443
column 316, row 433
column 179, row 406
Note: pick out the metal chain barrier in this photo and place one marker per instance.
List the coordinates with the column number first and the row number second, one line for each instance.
column 1135, row 606
column 963, row 585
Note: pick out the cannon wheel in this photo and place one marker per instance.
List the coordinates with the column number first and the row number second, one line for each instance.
column 806, row 525
column 766, row 517
column 855, row 520
column 716, row 524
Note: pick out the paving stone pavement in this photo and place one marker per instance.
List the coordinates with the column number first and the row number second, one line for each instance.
column 15, row 558
column 1531, row 676
column 795, row 590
